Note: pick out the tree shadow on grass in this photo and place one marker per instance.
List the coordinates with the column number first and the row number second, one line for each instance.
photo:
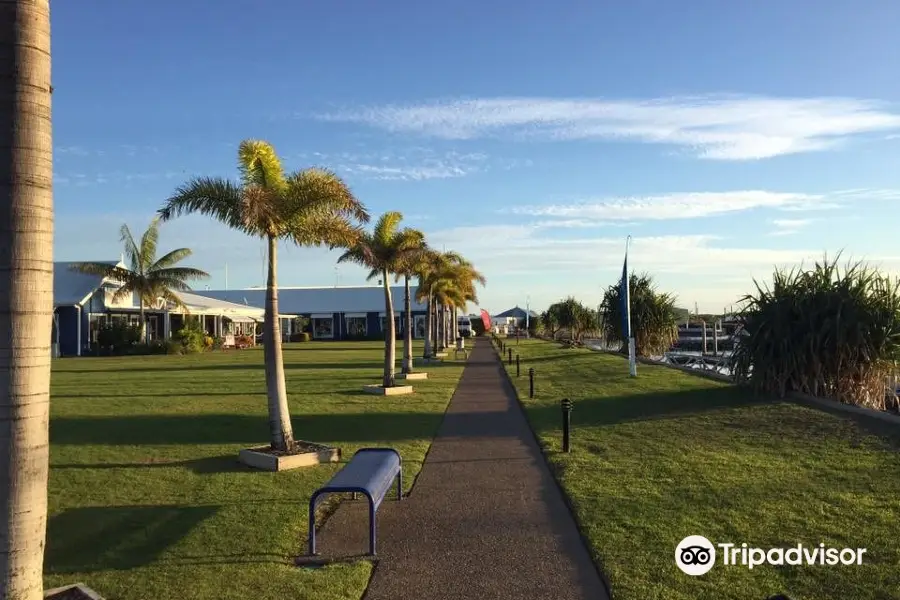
column 326, row 428
column 117, row 537
column 310, row 366
column 201, row 466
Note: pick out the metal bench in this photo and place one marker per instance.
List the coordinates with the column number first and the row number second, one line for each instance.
column 370, row 472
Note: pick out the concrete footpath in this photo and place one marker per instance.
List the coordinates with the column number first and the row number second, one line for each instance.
column 485, row 520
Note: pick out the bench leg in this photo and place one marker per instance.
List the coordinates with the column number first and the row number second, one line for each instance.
column 371, row 527
column 400, row 486
column 312, row 526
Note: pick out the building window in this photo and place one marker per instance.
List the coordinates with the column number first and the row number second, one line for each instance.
column 323, row 328
column 397, row 327
column 356, row 326
column 419, row 329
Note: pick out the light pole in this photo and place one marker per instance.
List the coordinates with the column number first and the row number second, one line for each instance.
column 527, row 315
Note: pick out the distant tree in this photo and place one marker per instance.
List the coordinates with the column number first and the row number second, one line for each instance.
column 146, row 277
column 653, row 323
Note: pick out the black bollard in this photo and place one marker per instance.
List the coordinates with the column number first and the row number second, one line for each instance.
column 531, row 382
column 509, row 360
column 566, row 406
column 518, row 370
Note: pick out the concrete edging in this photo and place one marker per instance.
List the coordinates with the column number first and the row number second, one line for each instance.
column 828, row 403
column 796, row 397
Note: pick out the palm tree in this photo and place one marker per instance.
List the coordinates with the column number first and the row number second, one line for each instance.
column 312, row 207
column 146, row 277
column 26, row 286
column 387, row 250
column 449, row 284
column 414, row 262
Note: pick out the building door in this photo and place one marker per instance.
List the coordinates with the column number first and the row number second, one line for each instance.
column 153, row 332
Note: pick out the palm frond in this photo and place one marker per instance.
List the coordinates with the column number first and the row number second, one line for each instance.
column 260, row 166
column 132, row 250
column 386, row 227
column 318, row 190
column 179, row 273
column 104, row 270
column 172, row 258
column 149, row 242
column 213, row 197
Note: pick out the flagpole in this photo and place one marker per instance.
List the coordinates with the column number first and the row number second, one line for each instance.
column 632, row 355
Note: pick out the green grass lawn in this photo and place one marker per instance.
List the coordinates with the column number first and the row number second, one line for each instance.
column 669, row 454
column 147, row 499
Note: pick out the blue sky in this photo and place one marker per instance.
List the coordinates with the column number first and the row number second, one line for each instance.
column 532, row 137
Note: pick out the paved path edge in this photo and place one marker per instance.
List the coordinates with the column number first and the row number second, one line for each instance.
column 552, row 468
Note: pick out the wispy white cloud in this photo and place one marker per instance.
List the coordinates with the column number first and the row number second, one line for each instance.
column 669, row 206
column 788, row 226
column 408, row 173
column 410, row 164
column 716, row 127
column 692, row 205
column 708, row 268
column 114, row 177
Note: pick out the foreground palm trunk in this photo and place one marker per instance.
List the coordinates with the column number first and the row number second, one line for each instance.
column 407, row 330
column 282, row 434
column 26, row 293
column 390, row 352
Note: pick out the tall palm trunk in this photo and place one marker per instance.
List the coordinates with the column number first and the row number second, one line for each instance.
column 26, row 293
column 282, row 433
column 143, row 320
column 439, row 334
column 429, row 315
column 408, row 329
column 390, row 352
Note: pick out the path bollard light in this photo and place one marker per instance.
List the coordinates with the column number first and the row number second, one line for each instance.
column 531, row 382
column 509, row 360
column 566, row 406
column 518, row 369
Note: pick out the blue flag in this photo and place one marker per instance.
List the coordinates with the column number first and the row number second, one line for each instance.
column 624, row 298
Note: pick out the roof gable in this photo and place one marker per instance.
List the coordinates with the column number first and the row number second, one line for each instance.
column 71, row 287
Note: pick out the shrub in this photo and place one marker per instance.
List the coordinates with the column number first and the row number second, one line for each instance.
column 117, row 337
column 821, row 332
column 300, row 336
column 174, row 347
column 192, row 337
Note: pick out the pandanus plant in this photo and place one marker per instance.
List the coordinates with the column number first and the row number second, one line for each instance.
column 823, row 331
column 653, row 318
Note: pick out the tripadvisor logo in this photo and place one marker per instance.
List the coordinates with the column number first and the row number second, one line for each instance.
column 696, row 555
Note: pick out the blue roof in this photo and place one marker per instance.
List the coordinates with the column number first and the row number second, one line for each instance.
column 296, row 301
column 516, row 312
column 71, row 287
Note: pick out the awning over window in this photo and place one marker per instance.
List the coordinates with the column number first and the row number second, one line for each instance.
column 240, row 319
column 322, row 315
column 355, row 315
